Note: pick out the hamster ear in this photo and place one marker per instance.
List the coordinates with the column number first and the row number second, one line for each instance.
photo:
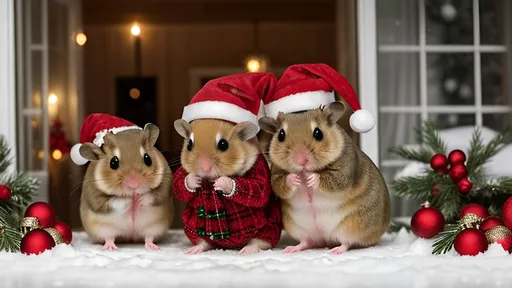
column 280, row 117
column 245, row 130
column 268, row 124
column 183, row 128
column 91, row 151
column 334, row 111
column 151, row 132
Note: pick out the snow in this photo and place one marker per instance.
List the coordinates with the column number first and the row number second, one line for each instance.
column 400, row 260
column 460, row 138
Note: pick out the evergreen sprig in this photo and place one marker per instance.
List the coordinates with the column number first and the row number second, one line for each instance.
column 487, row 191
column 23, row 189
column 443, row 242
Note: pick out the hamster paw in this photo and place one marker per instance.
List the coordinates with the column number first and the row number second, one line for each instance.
column 293, row 180
column 303, row 245
column 250, row 249
column 313, row 181
column 150, row 245
column 195, row 249
column 109, row 245
column 339, row 250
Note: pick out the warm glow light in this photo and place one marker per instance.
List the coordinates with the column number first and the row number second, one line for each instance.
column 52, row 99
column 40, row 154
column 134, row 93
column 81, row 39
column 256, row 64
column 253, row 65
column 135, row 30
column 57, row 154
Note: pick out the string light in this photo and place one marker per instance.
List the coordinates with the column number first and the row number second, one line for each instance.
column 134, row 93
column 256, row 64
column 57, row 154
column 52, row 99
column 80, row 39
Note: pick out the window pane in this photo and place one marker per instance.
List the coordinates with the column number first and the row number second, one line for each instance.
column 497, row 121
column 397, row 22
column 450, row 79
column 494, row 67
column 33, row 143
column 396, row 129
column 398, row 79
column 400, row 206
column 33, row 97
column 35, row 18
column 57, row 25
column 493, row 20
column 446, row 121
column 449, row 22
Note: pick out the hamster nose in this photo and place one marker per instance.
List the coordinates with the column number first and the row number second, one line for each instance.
column 132, row 182
column 205, row 164
column 300, row 156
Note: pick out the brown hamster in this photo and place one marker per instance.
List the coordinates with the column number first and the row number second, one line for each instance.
column 126, row 192
column 223, row 172
column 332, row 193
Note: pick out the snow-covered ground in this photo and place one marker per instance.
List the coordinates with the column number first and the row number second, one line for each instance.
column 400, row 260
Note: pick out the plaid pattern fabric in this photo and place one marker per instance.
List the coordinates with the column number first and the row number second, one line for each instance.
column 253, row 212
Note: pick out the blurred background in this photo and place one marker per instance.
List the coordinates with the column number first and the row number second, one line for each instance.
column 410, row 60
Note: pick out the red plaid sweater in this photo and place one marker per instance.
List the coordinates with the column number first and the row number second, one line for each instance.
column 229, row 223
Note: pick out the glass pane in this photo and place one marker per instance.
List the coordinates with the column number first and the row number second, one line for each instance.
column 398, row 79
column 57, row 25
column 449, row 22
column 494, row 67
column 33, row 97
column 36, row 22
column 446, row 121
column 397, row 22
column 497, row 121
column 396, row 129
column 58, row 84
column 400, row 206
column 493, row 20
column 450, row 79
column 33, row 144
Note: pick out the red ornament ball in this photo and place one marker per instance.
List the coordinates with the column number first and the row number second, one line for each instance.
column 458, row 172
column 506, row 213
column 474, row 208
column 5, row 192
column 464, row 186
column 439, row 163
column 470, row 242
column 490, row 222
column 42, row 211
column 36, row 242
column 456, row 157
column 501, row 235
column 427, row 222
column 64, row 230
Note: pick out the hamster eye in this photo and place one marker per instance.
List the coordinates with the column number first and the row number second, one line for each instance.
column 281, row 135
column 223, row 145
column 147, row 160
column 318, row 135
column 114, row 163
column 190, row 145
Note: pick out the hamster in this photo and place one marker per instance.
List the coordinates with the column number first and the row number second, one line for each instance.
column 126, row 192
column 225, row 181
column 332, row 194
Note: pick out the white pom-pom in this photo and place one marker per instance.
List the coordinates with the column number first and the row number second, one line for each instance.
column 362, row 121
column 76, row 157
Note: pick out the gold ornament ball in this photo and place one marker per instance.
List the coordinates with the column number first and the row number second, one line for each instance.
column 28, row 224
column 55, row 235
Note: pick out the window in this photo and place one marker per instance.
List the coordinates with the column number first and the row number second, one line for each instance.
column 436, row 60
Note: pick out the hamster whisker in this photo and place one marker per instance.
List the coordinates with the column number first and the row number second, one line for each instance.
column 86, row 181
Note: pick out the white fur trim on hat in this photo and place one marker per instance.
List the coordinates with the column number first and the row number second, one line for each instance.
column 362, row 121
column 261, row 113
column 76, row 157
column 218, row 110
column 299, row 102
column 101, row 134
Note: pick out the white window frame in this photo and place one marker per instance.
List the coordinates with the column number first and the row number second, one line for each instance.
column 7, row 76
column 368, row 48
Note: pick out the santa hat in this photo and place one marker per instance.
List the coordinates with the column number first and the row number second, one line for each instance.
column 94, row 128
column 234, row 98
column 309, row 86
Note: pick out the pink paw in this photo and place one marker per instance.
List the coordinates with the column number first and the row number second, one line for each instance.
column 293, row 180
column 313, row 181
column 339, row 250
column 194, row 249
column 109, row 246
column 293, row 249
column 151, row 246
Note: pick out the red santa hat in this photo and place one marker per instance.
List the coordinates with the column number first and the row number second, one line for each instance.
column 309, row 86
column 94, row 128
column 234, row 98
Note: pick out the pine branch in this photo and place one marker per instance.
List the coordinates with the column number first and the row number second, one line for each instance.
column 5, row 151
column 421, row 155
column 10, row 239
column 416, row 187
column 396, row 226
column 479, row 154
column 443, row 242
column 429, row 135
